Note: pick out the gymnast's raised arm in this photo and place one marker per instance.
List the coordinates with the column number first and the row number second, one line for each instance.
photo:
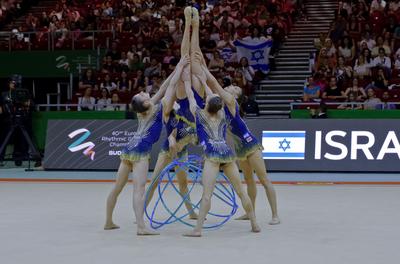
column 169, row 97
column 228, row 98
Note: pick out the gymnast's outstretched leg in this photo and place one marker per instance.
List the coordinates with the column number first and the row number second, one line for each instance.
column 140, row 171
column 251, row 184
column 208, row 179
column 124, row 169
column 195, row 64
column 181, row 176
column 232, row 172
column 257, row 163
column 162, row 161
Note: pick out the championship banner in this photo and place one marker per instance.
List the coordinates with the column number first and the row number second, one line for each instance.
column 91, row 144
column 256, row 52
column 329, row 145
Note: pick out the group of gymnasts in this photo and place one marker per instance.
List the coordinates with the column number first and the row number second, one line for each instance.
column 206, row 111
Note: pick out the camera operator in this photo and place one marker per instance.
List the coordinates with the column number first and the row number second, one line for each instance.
column 16, row 108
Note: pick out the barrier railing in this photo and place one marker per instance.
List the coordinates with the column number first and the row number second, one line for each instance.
column 56, row 40
column 353, row 105
column 77, row 107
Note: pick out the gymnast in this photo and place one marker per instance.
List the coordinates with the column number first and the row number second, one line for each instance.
column 135, row 156
column 211, row 131
column 247, row 147
column 181, row 127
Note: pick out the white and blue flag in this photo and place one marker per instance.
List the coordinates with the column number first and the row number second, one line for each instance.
column 284, row 144
column 256, row 52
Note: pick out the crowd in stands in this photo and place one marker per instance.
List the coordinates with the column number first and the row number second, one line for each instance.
column 359, row 60
column 146, row 47
column 10, row 9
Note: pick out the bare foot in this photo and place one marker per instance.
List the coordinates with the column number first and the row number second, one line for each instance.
column 243, row 217
column 255, row 228
column 193, row 233
column 196, row 18
column 110, row 226
column 188, row 13
column 146, row 232
column 275, row 221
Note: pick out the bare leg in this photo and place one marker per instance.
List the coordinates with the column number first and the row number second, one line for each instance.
column 162, row 161
column 181, row 175
column 124, row 169
column 209, row 176
column 232, row 172
column 185, row 45
column 251, row 185
column 139, row 183
column 257, row 163
column 195, row 48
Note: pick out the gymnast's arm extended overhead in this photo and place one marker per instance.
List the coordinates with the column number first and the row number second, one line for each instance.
column 228, row 98
column 169, row 98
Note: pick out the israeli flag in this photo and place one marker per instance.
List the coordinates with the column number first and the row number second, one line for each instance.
column 284, row 144
column 256, row 52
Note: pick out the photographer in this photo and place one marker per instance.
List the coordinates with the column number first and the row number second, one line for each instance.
column 16, row 108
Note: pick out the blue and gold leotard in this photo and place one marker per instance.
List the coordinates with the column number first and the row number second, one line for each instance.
column 244, row 141
column 212, row 136
column 147, row 133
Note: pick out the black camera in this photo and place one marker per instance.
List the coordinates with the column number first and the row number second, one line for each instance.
column 16, row 103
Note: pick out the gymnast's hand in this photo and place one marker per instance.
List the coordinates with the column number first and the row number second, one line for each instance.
column 185, row 60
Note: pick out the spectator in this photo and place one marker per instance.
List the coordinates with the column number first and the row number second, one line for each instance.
column 153, row 69
column 140, row 82
column 320, row 113
column 239, row 80
column 333, row 92
column 320, row 41
column 247, row 71
column 361, row 68
column 372, row 102
column 368, row 40
column 382, row 60
column 351, row 103
column 86, row 102
column 356, row 90
column 104, row 101
column 154, row 85
column 311, row 91
column 124, row 84
column 342, row 72
column 136, row 64
column 216, row 64
column 123, row 62
column 226, row 48
column 250, row 106
column 380, row 44
column 386, row 104
column 397, row 60
column 88, row 81
column 114, row 53
column 168, row 57
column 377, row 5
column 108, row 84
column 116, row 103
column 379, row 81
column 346, row 50
column 109, row 66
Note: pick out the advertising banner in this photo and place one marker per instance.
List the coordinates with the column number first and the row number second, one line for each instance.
column 289, row 145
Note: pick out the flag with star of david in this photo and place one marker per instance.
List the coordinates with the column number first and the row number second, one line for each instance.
column 284, row 144
column 256, row 52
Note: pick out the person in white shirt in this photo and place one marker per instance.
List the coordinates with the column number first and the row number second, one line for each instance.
column 108, row 84
column 382, row 60
column 368, row 40
column 380, row 44
column 377, row 5
column 104, row 101
column 86, row 102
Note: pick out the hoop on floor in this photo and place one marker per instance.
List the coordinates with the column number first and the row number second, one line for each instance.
column 192, row 166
